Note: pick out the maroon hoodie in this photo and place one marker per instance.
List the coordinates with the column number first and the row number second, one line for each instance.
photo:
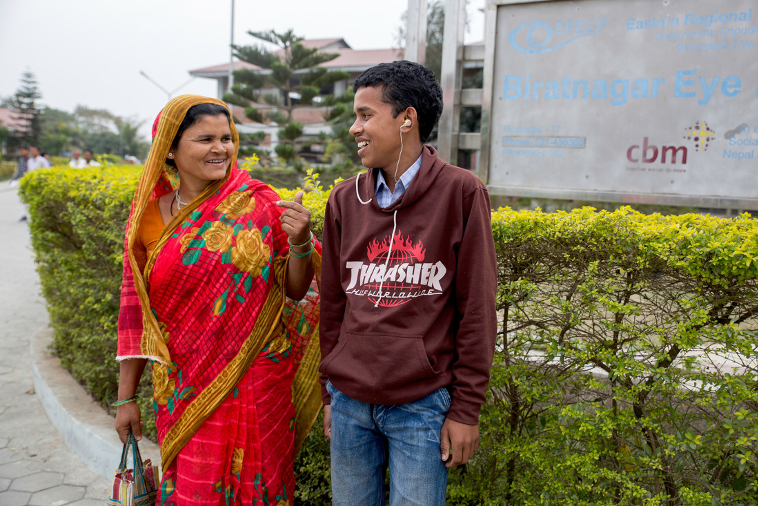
column 407, row 313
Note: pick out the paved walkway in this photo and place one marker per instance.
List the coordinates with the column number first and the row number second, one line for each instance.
column 36, row 466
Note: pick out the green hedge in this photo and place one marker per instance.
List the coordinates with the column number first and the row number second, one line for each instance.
column 609, row 384
column 7, row 170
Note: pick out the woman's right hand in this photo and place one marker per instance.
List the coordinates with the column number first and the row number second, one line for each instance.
column 128, row 418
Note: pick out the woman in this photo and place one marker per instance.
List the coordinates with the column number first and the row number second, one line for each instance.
column 205, row 298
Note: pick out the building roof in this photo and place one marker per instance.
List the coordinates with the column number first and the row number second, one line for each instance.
column 222, row 69
column 13, row 120
column 349, row 59
column 361, row 59
column 325, row 44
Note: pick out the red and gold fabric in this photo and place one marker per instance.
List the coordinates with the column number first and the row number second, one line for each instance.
column 234, row 360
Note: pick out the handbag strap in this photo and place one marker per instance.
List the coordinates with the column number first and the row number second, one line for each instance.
column 138, row 475
column 124, row 454
column 139, row 472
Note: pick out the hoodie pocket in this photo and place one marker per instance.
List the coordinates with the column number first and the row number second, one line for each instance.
column 379, row 361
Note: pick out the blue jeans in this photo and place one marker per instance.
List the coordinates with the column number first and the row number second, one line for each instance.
column 367, row 438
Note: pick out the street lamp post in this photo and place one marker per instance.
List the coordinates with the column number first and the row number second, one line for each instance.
column 169, row 94
column 231, row 53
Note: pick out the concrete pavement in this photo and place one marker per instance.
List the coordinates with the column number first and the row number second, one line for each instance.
column 36, row 465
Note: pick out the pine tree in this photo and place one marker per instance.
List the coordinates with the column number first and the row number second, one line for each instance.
column 294, row 71
column 28, row 110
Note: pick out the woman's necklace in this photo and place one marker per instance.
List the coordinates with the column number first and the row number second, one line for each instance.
column 179, row 202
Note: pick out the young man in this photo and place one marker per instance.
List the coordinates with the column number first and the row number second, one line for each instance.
column 88, row 161
column 22, row 167
column 408, row 286
column 36, row 160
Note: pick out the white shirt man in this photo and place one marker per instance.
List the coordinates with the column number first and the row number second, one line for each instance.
column 77, row 162
column 36, row 160
column 88, row 161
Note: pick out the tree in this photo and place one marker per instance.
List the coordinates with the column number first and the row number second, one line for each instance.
column 341, row 148
column 28, row 112
column 294, row 72
column 59, row 131
column 128, row 130
column 4, row 133
column 92, row 121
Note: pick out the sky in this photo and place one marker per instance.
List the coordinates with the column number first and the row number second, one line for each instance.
column 91, row 52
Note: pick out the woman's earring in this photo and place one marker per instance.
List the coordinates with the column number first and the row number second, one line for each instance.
column 171, row 155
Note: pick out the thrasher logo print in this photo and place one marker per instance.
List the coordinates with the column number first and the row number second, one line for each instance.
column 405, row 276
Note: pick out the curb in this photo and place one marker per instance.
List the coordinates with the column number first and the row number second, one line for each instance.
column 85, row 426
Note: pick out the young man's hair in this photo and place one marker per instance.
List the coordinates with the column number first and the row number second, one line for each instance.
column 407, row 84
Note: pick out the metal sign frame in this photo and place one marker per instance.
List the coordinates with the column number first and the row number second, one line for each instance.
column 491, row 55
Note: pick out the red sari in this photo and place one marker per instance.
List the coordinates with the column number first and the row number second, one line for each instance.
column 235, row 361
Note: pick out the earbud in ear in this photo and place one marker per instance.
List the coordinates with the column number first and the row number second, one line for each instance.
column 406, row 123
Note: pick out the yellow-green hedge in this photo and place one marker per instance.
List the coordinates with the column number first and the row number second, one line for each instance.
column 597, row 395
column 7, row 170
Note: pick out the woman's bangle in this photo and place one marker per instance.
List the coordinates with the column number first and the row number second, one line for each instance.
column 301, row 255
column 125, row 401
column 310, row 240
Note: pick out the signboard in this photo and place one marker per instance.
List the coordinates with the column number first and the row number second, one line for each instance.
column 633, row 101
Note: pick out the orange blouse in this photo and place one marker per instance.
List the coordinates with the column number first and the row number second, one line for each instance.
column 150, row 229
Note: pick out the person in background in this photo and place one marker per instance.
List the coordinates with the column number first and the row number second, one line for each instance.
column 77, row 162
column 88, row 161
column 21, row 169
column 22, row 166
column 36, row 160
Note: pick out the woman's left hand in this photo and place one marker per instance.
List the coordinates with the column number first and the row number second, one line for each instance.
column 296, row 219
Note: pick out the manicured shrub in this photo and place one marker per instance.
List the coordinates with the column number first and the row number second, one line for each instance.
column 626, row 370
column 7, row 170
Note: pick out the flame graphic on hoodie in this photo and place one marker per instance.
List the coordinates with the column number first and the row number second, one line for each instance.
column 402, row 250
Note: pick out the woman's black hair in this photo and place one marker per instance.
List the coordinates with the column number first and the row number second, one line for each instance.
column 406, row 84
column 193, row 116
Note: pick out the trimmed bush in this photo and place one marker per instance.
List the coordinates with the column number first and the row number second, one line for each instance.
column 7, row 170
column 626, row 370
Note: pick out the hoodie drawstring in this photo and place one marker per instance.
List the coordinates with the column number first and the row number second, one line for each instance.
column 389, row 253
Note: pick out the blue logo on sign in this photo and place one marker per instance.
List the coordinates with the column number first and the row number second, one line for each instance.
column 535, row 37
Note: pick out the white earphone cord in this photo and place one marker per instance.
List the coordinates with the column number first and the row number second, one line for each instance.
column 397, row 165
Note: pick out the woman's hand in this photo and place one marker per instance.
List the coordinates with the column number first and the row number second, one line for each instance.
column 128, row 415
column 328, row 421
column 128, row 418
column 296, row 220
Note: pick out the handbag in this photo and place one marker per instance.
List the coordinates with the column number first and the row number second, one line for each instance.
column 136, row 486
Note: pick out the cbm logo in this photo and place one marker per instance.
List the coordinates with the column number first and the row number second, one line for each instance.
column 648, row 153
column 536, row 37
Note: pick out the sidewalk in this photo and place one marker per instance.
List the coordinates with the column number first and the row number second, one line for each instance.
column 36, row 466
